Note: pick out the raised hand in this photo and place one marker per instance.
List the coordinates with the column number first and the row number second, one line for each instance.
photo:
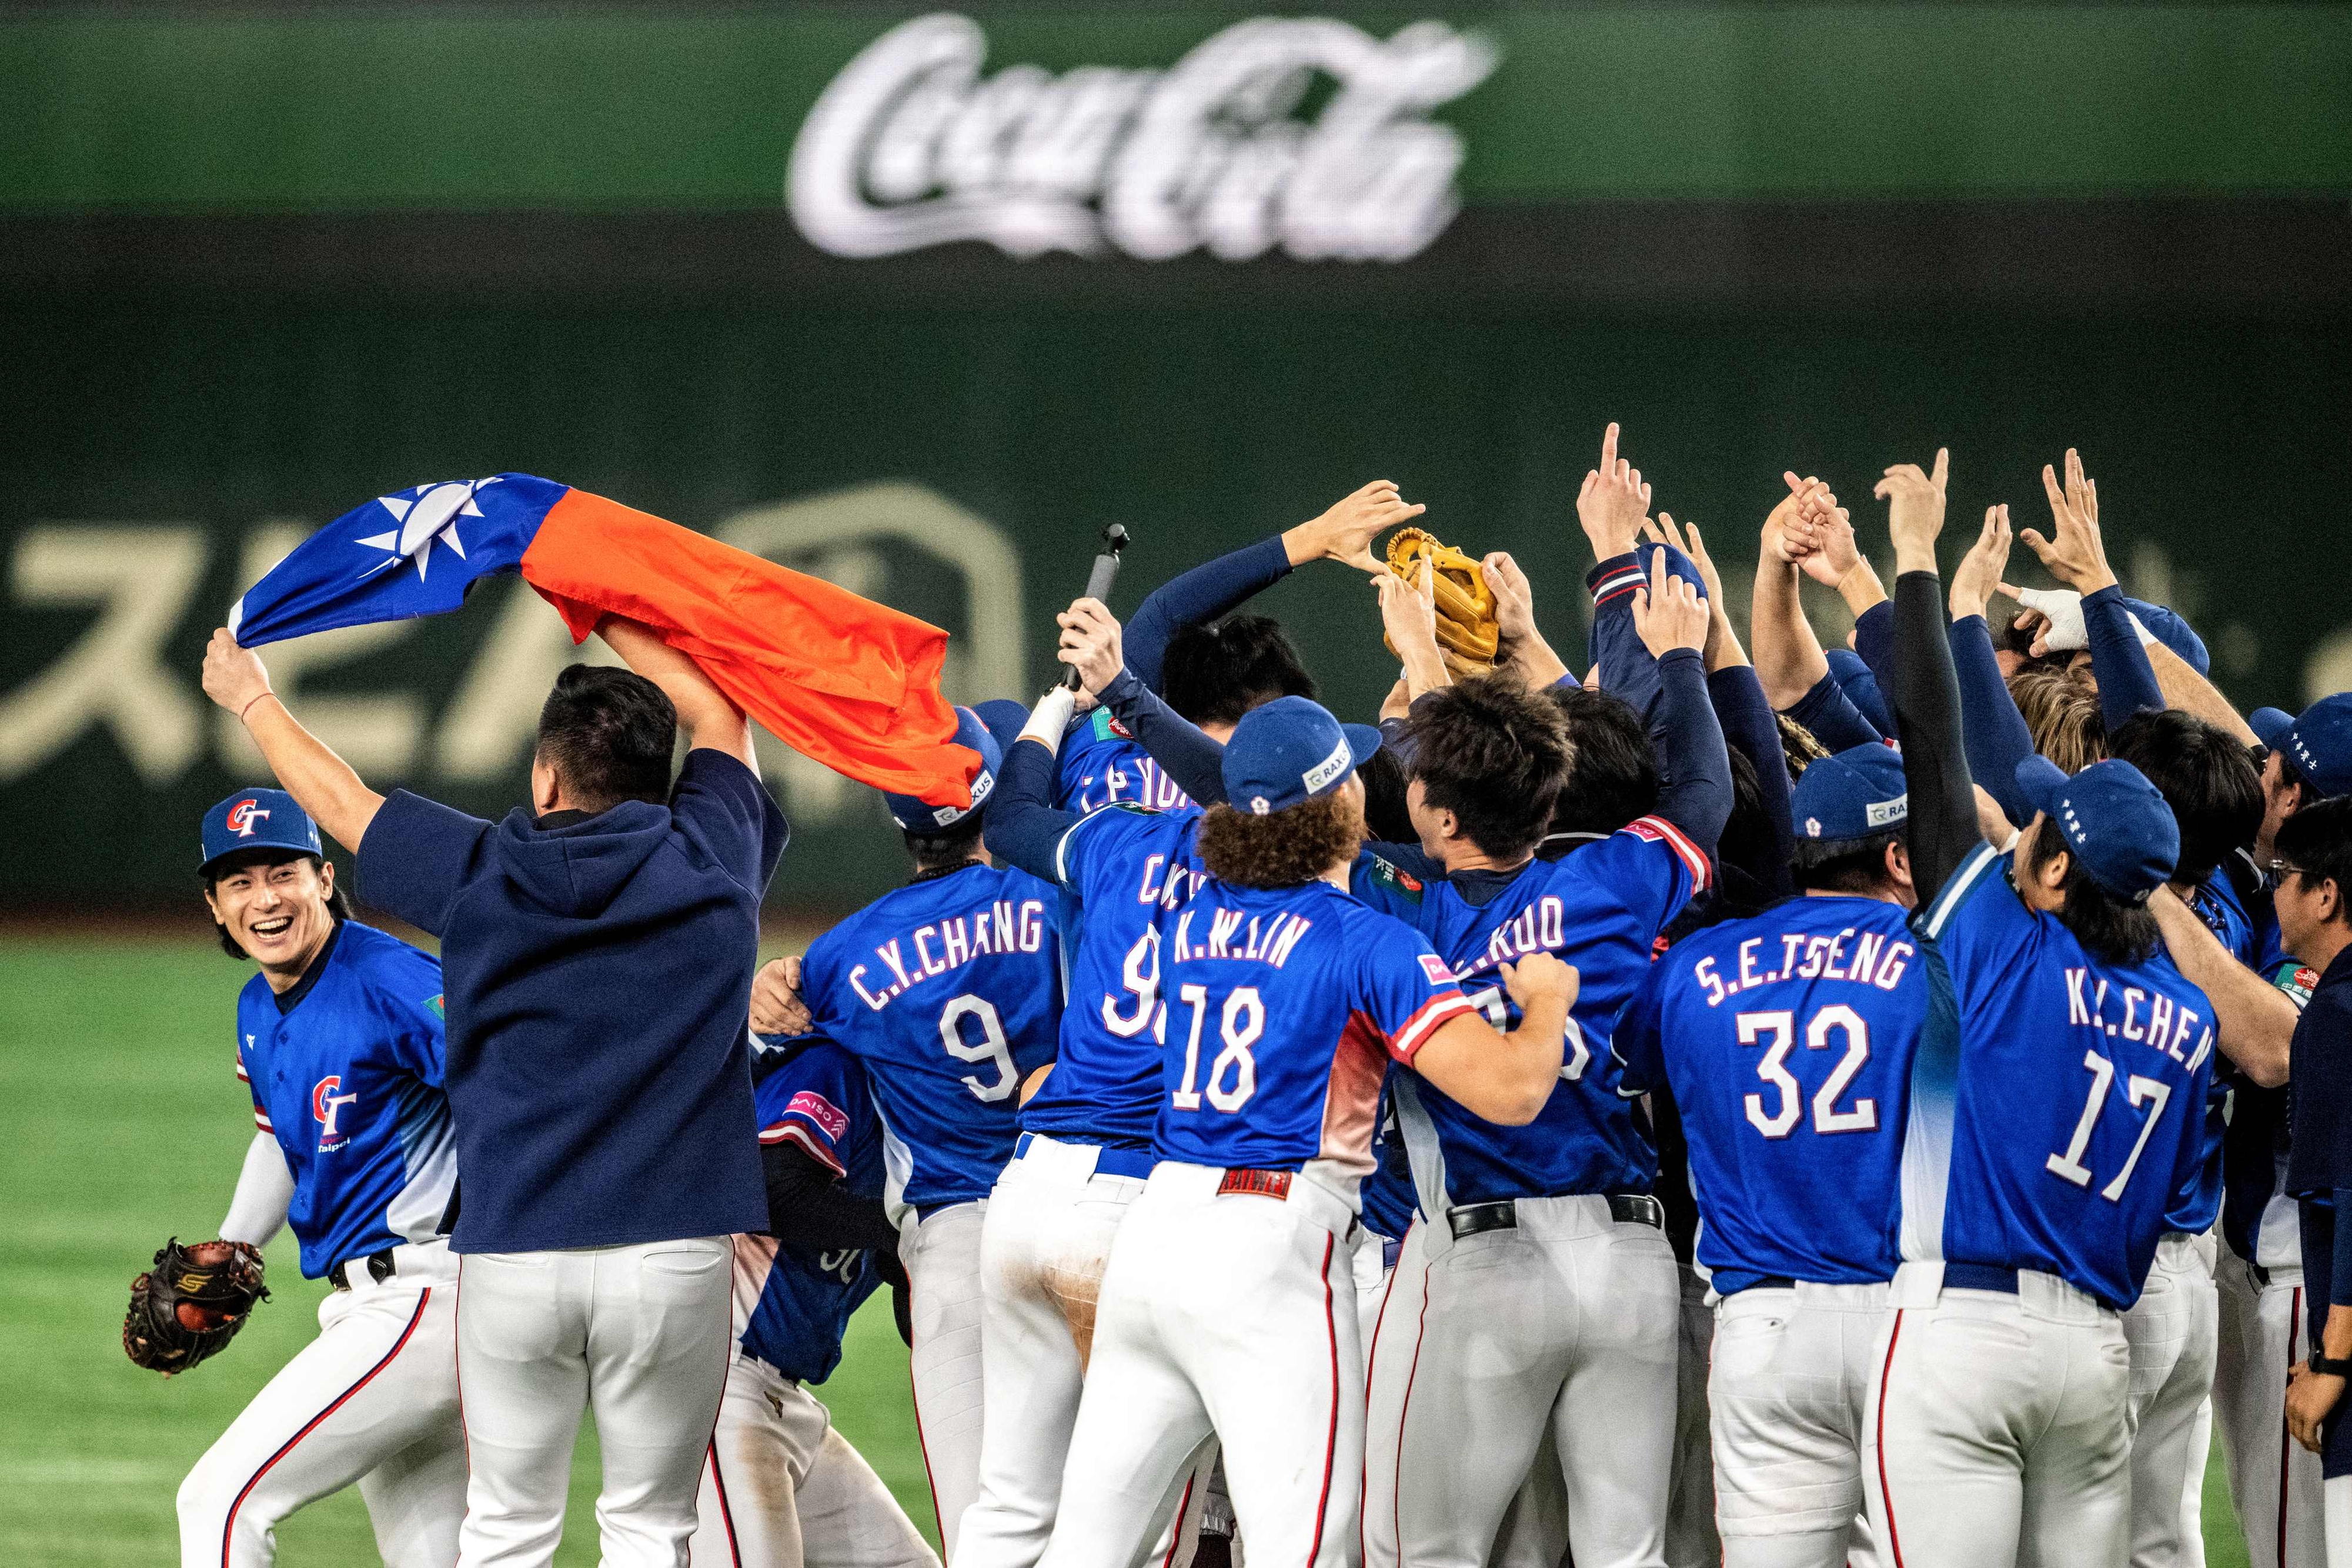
column 776, row 1004
column 1613, row 502
column 1090, row 643
column 1669, row 614
column 1789, row 530
column 1915, row 510
column 1514, row 598
column 1834, row 552
column 1346, row 531
column 1409, row 615
column 1719, row 626
column 1979, row 572
column 233, row 676
column 2075, row 555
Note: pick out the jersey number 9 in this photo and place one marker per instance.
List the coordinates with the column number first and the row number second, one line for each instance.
column 992, row 1047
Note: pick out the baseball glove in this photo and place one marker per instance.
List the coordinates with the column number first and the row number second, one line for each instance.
column 191, row 1304
column 1466, row 628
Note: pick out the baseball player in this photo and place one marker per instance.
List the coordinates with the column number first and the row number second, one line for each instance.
column 1225, row 1307
column 339, row 1040
column 1539, row 1289
column 2041, row 1158
column 597, row 949
column 783, row 1487
column 949, row 990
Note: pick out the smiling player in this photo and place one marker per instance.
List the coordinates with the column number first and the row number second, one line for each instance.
column 340, row 1038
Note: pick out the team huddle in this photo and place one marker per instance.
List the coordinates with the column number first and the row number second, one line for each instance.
column 1748, row 1102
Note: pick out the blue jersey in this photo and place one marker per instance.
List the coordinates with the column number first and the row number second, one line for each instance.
column 792, row 1308
column 1788, row 1040
column 2215, row 901
column 950, row 991
column 1600, row 908
column 1283, row 1008
column 1123, row 867
column 345, row 1070
column 2057, row 1134
column 1101, row 764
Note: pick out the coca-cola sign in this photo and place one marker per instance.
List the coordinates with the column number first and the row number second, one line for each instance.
column 911, row 146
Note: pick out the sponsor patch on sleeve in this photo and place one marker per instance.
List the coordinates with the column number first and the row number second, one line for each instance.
column 1434, row 967
column 1397, row 877
column 2298, row 980
column 435, row 1003
column 818, row 1109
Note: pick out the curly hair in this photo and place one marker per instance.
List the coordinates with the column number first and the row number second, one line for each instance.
column 1288, row 848
column 1493, row 753
column 2064, row 714
column 1800, row 747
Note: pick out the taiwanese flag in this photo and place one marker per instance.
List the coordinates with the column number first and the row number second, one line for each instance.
column 848, row 682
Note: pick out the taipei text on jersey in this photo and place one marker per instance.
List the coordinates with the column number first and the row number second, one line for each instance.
column 817, row 1102
column 1788, row 1041
column 950, row 991
column 1600, row 908
column 2072, row 1111
column 1100, row 764
column 1124, row 866
column 1283, row 1008
column 348, row 1079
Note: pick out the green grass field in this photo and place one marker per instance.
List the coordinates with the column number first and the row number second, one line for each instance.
column 121, row 1122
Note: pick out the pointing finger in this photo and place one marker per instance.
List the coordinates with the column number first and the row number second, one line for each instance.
column 1943, row 467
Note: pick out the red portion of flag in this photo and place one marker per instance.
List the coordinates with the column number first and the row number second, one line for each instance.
column 839, row 678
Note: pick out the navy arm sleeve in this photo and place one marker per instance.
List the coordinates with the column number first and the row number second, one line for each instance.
column 1862, row 685
column 1998, row 737
column 2174, row 632
column 1204, row 593
column 1832, row 719
column 414, row 857
column 1696, row 787
column 1626, row 668
column 1021, row 825
column 2127, row 680
column 1196, row 762
column 2339, row 1282
column 810, row 1212
column 1746, row 715
column 1942, row 824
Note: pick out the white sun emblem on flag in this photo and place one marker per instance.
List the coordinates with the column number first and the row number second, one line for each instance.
column 429, row 518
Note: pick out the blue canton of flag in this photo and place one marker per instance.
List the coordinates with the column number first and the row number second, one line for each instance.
column 414, row 552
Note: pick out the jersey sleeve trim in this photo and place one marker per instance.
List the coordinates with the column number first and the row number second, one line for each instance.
column 1694, row 859
column 793, row 1132
column 261, row 1120
column 1406, row 1043
column 1974, row 866
column 242, row 1076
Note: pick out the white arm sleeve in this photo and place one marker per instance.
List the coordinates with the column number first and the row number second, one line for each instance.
column 264, row 1188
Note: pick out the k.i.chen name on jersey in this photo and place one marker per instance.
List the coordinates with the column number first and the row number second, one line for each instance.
column 1233, row 934
column 929, row 951
column 2148, row 1017
column 1871, row 960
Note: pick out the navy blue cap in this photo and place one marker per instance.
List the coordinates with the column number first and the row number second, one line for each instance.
column 1858, row 792
column 1289, row 751
column 916, row 817
column 1005, row 719
column 2318, row 741
column 259, row 819
column 2113, row 821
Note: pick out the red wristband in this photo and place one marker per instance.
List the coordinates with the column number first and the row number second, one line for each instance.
column 248, row 706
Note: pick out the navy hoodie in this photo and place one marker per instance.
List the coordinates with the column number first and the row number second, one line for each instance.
column 598, row 979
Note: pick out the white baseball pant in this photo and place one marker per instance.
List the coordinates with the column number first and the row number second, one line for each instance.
column 2174, row 1331
column 2000, row 1430
column 642, row 1334
column 1569, row 1319
column 1043, row 1250
column 942, row 1259
column 1787, row 1398
column 374, row 1399
column 1227, row 1314
column 2274, row 1481
column 782, row 1488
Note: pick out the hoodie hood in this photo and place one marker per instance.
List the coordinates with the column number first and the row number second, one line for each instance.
column 578, row 870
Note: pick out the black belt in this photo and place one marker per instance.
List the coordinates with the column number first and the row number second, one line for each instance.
column 379, row 1267
column 1979, row 1277
column 1625, row 1208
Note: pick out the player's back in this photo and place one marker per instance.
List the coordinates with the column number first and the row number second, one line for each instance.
column 1122, row 867
column 949, row 990
column 1283, row 1008
column 2057, row 1135
column 1600, row 909
column 1788, row 1040
column 792, row 1308
column 1100, row 764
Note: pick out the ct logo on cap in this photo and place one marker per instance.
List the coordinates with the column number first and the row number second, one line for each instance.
column 243, row 815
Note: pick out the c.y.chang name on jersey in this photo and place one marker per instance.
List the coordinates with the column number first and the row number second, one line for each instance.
column 1267, row 941
column 1874, row 961
column 1004, row 926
